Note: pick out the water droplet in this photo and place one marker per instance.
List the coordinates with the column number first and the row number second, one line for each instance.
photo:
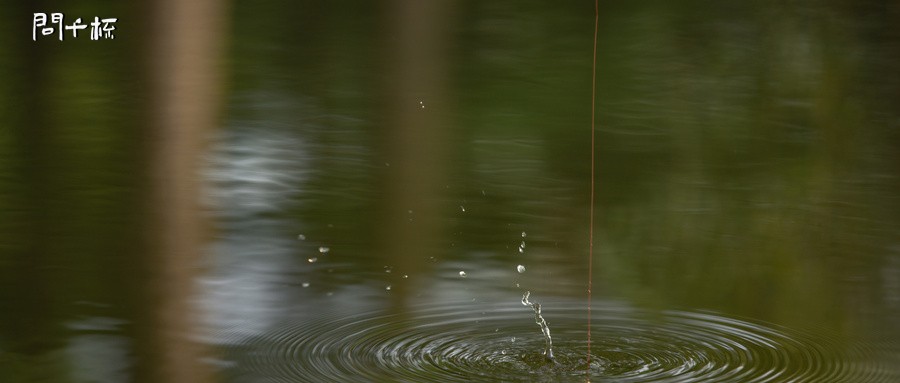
column 521, row 250
column 462, row 274
column 421, row 104
column 512, row 340
column 323, row 249
column 388, row 288
column 305, row 284
column 387, row 269
column 521, row 269
column 517, row 285
column 405, row 276
column 523, row 234
column 461, row 207
column 301, row 237
column 312, row 259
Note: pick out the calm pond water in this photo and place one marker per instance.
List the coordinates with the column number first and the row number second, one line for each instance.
column 386, row 180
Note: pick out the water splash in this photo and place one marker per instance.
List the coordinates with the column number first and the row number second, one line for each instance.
column 539, row 319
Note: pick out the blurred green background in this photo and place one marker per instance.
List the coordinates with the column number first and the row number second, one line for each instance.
column 748, row 162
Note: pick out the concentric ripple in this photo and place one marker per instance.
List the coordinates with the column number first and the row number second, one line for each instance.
column 467, row 342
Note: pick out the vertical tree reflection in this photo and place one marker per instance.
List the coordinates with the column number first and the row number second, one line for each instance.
column 414, row 132
column 183, row 48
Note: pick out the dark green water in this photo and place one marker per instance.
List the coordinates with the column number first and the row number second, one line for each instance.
column 378, row 172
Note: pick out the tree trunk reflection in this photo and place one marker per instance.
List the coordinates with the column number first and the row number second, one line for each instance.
column 184, row 76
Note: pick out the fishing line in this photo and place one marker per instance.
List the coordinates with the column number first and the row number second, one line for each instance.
column 591, row 225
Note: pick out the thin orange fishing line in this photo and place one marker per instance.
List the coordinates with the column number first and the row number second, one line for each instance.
column 591, row 225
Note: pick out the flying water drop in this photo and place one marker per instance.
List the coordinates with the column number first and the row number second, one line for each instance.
column 520, row 269
column 312, row 259
column 463, row 274
column 323, row 249
column 301, row 237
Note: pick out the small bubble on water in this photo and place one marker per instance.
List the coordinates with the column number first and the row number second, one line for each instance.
column 463, row 274
column 517, row 285
column 301, row 237
column 388, row 288
column 312, row 259
column 387, row 269
column 323, row 249
column 512, row 340
column 520, row 269
column 305, row 284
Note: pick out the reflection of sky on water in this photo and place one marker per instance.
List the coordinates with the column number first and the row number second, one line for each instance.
column 254, row 175
column 96, row 351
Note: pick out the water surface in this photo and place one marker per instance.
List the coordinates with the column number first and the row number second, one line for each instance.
column 379, row 173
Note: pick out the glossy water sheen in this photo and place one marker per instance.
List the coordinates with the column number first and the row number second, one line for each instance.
column 463, row 342
column 371, row 161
